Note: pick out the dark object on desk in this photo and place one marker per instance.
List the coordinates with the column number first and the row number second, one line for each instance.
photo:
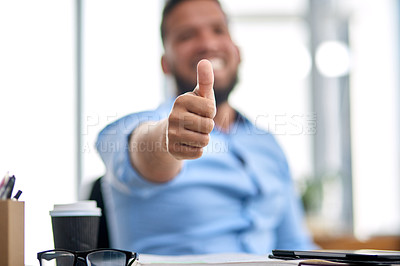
column 358, row 257
column 75, row 232
column 115, row 257
column 316, row 262
column 97, row 195
column 17, row 195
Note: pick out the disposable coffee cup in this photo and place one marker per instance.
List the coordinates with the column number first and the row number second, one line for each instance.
column 76, row 225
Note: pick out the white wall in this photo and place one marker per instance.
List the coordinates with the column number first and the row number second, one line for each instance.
column 375, row 117
column 121, row 68
column 37, row 110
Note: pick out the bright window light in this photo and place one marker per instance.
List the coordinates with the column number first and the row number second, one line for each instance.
column 333, row 59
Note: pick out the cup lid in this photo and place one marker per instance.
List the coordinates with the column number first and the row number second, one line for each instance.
column 80, row 208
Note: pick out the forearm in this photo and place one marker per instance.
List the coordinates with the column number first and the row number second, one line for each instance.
column 149, row 154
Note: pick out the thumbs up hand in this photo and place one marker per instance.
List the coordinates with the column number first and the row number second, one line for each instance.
column 191, row 119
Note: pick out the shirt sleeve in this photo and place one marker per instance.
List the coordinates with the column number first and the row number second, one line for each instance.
column 113, row 147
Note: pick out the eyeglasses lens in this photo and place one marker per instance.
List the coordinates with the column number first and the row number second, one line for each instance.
column 59, row 258
column 106, row 258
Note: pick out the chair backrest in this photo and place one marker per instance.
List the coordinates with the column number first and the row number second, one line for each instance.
column 97, row 195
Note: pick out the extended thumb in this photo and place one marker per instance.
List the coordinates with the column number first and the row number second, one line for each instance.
column 205, row 80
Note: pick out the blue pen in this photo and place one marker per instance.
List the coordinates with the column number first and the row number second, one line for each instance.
column 8, row 189
column 16, row 197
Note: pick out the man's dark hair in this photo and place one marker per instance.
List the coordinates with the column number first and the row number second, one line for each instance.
column 168, row 7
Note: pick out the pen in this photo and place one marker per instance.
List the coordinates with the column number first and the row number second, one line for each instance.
column 3, row 184
column 4, row 180
column 8, row 188
column 17, row 195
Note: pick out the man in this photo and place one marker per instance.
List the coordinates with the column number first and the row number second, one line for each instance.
column 194, row 176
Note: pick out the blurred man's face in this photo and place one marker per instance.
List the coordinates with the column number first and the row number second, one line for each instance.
column 196, row 30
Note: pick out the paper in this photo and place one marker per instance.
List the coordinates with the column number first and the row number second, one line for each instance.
column 213, row 259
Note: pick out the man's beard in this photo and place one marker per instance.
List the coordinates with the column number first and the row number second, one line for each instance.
column 221, row 93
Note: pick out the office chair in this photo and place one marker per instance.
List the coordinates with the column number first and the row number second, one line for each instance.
column 97, row 195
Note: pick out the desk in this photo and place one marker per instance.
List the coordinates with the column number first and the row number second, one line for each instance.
column 352, row 243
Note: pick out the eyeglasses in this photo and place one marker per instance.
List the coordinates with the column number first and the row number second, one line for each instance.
column 97, row 257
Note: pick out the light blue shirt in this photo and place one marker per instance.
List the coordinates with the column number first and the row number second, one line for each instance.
column 238, row 197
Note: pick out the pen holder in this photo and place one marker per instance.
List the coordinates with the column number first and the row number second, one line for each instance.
column 12, row 232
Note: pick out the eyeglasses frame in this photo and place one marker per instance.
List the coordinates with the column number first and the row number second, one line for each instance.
column 130, row 256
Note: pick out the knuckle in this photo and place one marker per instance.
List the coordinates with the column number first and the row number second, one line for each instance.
column 181, row 100
column 210, row 108
column 174, row 118
column 196, row 154
column 175, row 150
column 204, row 140
column 209, row 125
column 186, row 152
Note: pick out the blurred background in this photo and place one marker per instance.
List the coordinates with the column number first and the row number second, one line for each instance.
column 322, row 75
